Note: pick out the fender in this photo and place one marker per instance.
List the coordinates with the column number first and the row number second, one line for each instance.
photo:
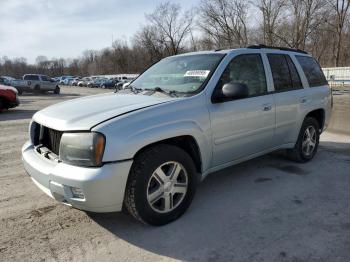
column 128, row 134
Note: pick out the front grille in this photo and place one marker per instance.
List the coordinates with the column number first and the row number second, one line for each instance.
column 47, row 137
column 51, row 139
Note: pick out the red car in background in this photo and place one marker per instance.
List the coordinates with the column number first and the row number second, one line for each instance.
column 8, row 97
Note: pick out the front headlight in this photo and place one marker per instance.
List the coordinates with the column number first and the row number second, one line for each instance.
column 82, row 149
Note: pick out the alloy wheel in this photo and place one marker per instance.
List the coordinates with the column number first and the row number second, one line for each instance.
column 167, row 187
column 309, row 141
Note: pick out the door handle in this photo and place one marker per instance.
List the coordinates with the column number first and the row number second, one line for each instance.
column 267, row 107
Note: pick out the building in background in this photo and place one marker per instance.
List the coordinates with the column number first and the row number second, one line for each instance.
column 337, row 76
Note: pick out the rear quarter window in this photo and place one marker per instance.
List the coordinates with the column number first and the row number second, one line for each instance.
column 312, row 71
column 45, row 78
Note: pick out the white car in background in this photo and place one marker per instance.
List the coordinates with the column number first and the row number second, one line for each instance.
column 63, row 78
column 84, row 81
column 68, row 81
column 75, row 81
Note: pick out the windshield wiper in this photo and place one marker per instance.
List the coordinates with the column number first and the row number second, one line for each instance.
column 132, row 88
column 164, row 91
column 155, row 89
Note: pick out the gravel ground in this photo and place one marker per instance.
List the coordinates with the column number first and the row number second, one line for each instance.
column 267, row 209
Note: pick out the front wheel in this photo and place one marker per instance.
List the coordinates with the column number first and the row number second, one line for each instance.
column 37, row 89
column 57, row 90
column 161, row 185
column 306, row 146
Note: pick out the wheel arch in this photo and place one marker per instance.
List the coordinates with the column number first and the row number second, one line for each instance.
column 186, row 142
column 319, row 115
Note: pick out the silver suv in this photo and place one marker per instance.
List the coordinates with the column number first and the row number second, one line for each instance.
column 148, row 146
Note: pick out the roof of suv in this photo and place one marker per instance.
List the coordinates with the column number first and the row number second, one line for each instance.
column 33, row 75
column 253, row 47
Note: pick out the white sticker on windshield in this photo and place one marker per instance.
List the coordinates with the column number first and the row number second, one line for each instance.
column 202, row 73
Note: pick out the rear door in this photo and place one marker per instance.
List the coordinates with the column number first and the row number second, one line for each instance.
column 46, row 83
column 318, row 95
column 288, row 95
column 243, row 127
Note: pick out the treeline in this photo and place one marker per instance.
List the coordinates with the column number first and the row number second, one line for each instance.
column 321, row 27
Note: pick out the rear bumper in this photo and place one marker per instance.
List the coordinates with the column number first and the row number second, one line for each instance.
column 103, row 187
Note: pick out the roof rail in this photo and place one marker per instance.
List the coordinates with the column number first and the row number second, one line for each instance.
column 260, row 46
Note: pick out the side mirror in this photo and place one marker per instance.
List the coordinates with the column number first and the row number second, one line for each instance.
column 231, row 91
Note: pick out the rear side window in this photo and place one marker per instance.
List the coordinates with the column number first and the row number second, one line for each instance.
column 31, row 77
column 312, row 70
column 294, row 74
column 280, row 72
column 246, row 69
column 284, row 73
column 45, row 78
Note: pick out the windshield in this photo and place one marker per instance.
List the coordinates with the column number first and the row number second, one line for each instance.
column 184, row 74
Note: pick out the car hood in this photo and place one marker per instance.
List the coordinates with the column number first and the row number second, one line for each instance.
column 84, row 113
column 3, row 87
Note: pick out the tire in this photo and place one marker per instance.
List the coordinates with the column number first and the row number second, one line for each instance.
column 299, row 152
column 2, row 105
column 37, row 89
column 103, row 86
column 142, row 178
column 57, row 90
column 20, row 91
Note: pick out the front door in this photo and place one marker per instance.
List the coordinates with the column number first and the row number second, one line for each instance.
column 243, row 127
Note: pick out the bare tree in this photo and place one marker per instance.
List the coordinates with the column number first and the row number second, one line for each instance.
column 172, row 25
column 150, row 39
column 225, row 22
column 307, row 16
column 271, row 12
column 321, row 27
column 340, row 9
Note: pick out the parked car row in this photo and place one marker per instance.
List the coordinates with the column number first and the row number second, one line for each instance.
column 102, row 82
column 42, row 83
column 10, row 87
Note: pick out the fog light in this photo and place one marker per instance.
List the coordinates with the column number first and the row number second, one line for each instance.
column 77, row 192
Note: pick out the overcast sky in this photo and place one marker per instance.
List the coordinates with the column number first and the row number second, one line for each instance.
column 65, row 28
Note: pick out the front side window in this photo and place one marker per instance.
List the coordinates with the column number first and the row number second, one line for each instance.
column 183, row 74
column 31, row 77
column 246, row 69
column 312, row 70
